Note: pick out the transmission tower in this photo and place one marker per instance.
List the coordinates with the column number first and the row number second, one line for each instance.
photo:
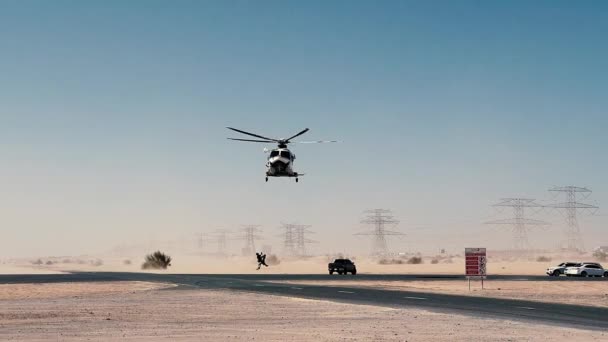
column 380, row 218
column 294, row 239
column 573, row 238
column 519, row 223
column 250, row 235
column 288, row 239
column 220, row 238
column 300, row 232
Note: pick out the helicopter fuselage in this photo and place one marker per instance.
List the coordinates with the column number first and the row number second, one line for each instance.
column 280, row 163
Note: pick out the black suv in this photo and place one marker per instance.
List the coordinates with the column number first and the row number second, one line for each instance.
column 342, row 266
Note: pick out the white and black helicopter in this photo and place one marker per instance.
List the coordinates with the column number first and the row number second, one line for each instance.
column 280, row 160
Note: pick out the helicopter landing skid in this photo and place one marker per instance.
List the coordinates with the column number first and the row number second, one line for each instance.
column 296, row 175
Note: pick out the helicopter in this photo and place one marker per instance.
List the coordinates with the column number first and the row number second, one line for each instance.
column 280, row 160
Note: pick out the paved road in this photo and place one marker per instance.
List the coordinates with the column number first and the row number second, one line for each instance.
column 551, row 313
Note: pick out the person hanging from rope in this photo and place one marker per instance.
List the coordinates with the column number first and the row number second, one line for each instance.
column 261, row 260
column 259, row 256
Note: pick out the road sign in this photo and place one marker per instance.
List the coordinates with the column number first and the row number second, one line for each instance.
column 475, row 262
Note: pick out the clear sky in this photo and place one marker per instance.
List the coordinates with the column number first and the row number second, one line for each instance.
column 113, row 115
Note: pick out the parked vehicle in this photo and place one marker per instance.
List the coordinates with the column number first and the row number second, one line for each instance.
column 558, row 270
column 342, row 266
column 586, row 269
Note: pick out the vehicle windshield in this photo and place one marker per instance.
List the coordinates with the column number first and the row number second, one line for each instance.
column 274, row 153
column 285, row 154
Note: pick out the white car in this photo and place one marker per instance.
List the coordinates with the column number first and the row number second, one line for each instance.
column 586, row 269
column 556, row 271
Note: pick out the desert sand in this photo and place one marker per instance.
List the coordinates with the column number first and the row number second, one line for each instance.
column 247, row 265
column 141, row 311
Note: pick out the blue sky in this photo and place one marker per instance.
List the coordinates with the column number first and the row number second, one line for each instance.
column 112, row 116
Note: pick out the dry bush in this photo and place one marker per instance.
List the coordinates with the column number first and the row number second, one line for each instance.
column 434, row 261
column 543, row 258
column 126, row 262
column 385, row 261
column 600, row 255
column 49, row 262
column 37, row 262
column 157, row 260
column 415, row 260
column 272, row 260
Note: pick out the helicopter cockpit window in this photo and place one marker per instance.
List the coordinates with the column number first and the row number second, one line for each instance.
column 285, row 154
column 274, row 153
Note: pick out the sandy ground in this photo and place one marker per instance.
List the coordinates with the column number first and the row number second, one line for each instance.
column 59, row 290
column 27, row 269
column 115, row 311
column 593, row 293
column 242, row 265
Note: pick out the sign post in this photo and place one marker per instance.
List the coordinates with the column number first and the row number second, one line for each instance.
column 475, row 264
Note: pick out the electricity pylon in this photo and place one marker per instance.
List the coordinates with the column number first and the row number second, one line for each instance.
column 573, row 237
column 250, row 235
column 518, row 222
column 220, row 237
column 294, row 239
column 380, row 218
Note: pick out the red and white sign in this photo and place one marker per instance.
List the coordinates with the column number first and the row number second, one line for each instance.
column 475, row 262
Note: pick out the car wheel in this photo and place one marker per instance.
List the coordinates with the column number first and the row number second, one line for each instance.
column 583, row 274
column 331, row 272
column 340, row 272
column 606, row 274
column 556, row 273
column 355, row 272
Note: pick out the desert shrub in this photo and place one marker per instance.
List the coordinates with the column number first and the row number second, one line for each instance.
column 37, row 262
column 434, row 261
column 272, row 260
column 156, row 260
column 385, row 261
column 600, row 255
column 66, row 261
column 49, row 262
column 543, row 258
column 415, row 260
column 126, row 262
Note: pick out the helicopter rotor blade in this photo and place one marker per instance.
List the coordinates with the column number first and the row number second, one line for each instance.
column 297, row 135
column 318, row 142
column 253, row 135
column 251, row 140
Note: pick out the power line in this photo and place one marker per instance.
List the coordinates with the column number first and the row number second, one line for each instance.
column 518, row 222
column 573, row 237
column 380, row 219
